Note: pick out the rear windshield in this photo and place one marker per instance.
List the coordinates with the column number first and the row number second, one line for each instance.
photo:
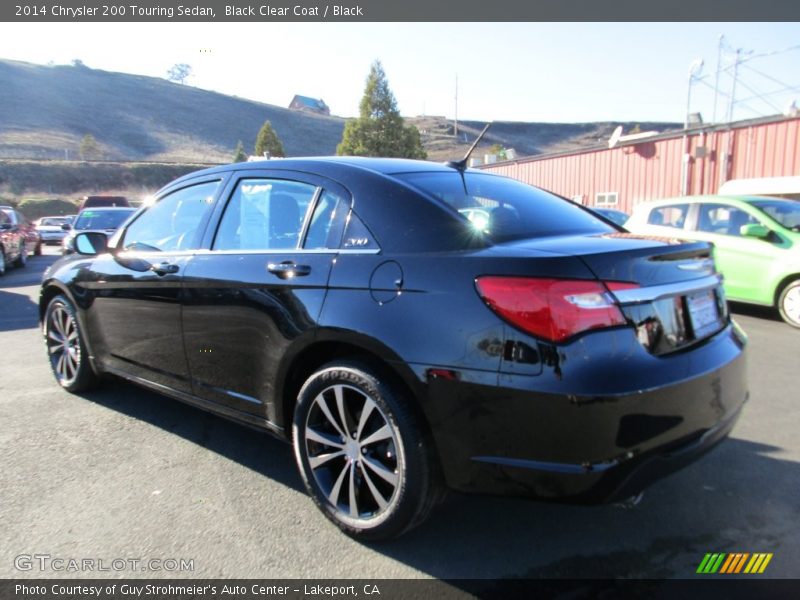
column 505, row 209
column 785, row 212
column 101, row 219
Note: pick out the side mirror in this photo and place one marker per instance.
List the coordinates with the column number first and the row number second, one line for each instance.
column 66, row 226
column 755, row 230
column 90, row 243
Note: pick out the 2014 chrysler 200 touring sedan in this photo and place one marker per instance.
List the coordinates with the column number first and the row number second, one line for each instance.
column 409, row 327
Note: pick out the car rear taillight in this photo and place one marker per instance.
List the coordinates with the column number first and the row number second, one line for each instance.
column 554, row 309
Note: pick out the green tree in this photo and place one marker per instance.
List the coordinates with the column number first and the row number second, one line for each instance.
column 379, row 130
column 240, row 155
column 89, row 148
column 268, row 141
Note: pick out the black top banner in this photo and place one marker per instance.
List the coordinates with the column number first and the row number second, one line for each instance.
column 398, row 10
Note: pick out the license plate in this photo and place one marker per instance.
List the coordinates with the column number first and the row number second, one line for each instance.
column 703, row 313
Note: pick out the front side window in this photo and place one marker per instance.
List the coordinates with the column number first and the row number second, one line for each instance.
column 673, row 215
column 723, row 219
column 265, row 214
column 171, row 224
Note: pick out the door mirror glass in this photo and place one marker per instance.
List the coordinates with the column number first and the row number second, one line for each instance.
column 66, row 227
column 90, row 243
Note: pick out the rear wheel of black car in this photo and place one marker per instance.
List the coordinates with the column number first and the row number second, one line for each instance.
column 361, row 453
column 38, row 250
column 2, row 262
column 66, row 348
column 789, row 303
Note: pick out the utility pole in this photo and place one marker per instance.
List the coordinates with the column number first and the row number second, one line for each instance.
column 716, row 77
column 694, row 71
column 455, row 120
column 732, row 99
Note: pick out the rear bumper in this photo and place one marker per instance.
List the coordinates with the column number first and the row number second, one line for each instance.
column 515, row 439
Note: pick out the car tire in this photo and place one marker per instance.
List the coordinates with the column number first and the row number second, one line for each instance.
column 38, row 250
column 66, row 348
column 789, row 303
column 2, row 262
column 22, row 259
column 371, row 473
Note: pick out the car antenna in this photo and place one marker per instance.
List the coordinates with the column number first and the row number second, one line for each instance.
column 461, row 165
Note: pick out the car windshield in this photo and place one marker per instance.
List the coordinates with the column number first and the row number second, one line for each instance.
column 505, row 209
column 58, row 221
column 101, row 219
column 785, row 212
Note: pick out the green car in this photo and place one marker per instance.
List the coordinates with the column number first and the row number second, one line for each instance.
column 756, row 243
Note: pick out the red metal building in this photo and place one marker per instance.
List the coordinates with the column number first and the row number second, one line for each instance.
column 677, row 163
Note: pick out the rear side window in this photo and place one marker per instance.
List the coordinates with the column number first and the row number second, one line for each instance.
column 267, row 214
column 673, row 215
column 505, row 209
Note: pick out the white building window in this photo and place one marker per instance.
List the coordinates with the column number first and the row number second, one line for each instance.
column 606, row 199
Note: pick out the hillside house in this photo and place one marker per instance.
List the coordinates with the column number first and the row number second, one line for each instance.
column 310, row 105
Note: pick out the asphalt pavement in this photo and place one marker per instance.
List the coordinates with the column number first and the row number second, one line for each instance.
column 140, row 485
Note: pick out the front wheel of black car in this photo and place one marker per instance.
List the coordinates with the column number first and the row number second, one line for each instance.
column 66, row 347
column 789, row 303
column 361, row 453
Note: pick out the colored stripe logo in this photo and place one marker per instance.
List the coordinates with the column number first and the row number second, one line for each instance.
column 735, row 562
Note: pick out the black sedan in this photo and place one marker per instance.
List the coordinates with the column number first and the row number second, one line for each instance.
column 409, row 327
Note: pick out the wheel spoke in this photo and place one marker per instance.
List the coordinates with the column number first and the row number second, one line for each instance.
column 317, row 461
column 379, row 499
column 369, row 405
column 323, row 405
column 333, row 497
column 55, row 318
column 55, row 348
column 384, row 433
column 339, row 393
column 72, row 364
column 52, row 335
column 60, row 365
column 388, row 476
column 353, row 502
column 321, row 438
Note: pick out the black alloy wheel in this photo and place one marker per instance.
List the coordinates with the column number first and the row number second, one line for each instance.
column 66, row 348
column 361, row 454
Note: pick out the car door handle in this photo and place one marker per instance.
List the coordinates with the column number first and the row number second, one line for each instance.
column 164, row 268
column 288, row 269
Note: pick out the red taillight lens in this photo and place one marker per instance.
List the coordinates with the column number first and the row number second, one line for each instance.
column 554, row 309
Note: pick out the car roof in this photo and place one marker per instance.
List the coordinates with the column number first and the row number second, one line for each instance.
column 331, row 166
column 708, row 198
column 105, row 208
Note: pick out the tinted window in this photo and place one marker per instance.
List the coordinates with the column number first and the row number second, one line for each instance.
column 327, row 222
column 264, row 214
column 102, row 219
column 172, row 223
column 723, row 219
column 673, row 215
column 506, row 209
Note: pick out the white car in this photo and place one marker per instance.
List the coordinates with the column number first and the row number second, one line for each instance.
column 50, row 228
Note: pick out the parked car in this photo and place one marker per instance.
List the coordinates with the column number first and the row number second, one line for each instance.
column 19, row 238
column 13, row 251
column 756, row 243
column 50, row 228
column 616, row 216
column 359, row 309
column 103, row 202
column 101, row 220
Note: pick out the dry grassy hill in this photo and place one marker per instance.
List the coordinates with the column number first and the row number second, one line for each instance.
column 47, row 110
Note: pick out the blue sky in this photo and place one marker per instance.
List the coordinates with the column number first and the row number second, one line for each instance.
column 555, row 72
